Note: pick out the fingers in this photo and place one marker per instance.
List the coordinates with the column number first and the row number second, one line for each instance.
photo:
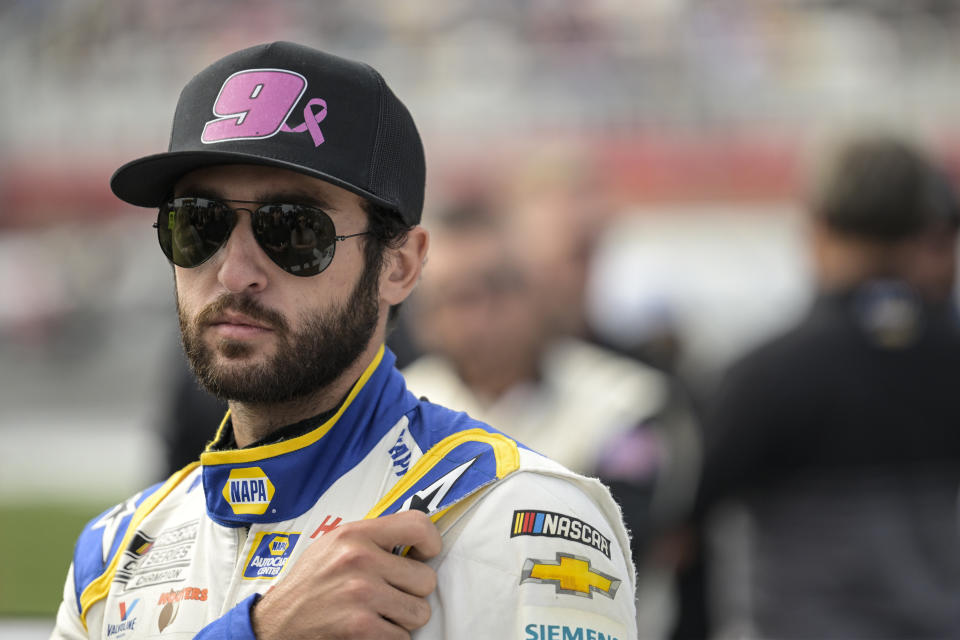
column 402, row 609
column 349, row 584
column 406, row 574
column 409, row 575
column 407, row 611
column 361, row 624
column 408, row 529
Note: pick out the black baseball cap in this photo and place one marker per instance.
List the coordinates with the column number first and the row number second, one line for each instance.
column 293, row 107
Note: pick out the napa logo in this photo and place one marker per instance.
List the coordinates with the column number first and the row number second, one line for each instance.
column 248, row 490
column 269, row 553
column 279, row 546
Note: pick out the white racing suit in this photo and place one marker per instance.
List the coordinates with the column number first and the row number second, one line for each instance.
column 530, row 550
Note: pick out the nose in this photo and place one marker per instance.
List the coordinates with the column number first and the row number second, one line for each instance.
column 242, row 267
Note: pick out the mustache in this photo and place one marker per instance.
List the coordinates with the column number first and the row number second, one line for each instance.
column 246, row 305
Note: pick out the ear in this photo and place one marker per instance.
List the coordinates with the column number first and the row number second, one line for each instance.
column 401, row 271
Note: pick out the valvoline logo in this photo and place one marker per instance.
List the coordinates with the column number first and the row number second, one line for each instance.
column 127, row 620
column 125, row 611
column 248, row 490
column 269, row 554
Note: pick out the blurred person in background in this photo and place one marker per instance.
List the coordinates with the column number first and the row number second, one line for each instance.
column 189, row 415
column 497, row 347
column 557, row 211
column 332, row 503
column 835, row 448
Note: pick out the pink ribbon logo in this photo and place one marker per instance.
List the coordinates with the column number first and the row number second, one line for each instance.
column 311, row 121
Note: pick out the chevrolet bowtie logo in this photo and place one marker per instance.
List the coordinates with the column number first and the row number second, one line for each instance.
column 571, row 575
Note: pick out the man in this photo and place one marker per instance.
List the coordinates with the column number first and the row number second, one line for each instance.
column 332, row 502
column 838, row 440
column 493, row 349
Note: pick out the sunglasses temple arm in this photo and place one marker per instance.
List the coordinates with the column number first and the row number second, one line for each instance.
column 352, row 235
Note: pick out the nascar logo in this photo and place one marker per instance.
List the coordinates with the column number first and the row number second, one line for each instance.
column 558, row 525
column 248, row 490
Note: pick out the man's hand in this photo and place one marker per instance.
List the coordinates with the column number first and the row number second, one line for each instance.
column 349, row 584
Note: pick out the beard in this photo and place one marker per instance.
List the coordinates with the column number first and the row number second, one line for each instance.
column 305, row 361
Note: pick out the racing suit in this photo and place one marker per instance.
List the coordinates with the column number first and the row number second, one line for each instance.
column 530, row 549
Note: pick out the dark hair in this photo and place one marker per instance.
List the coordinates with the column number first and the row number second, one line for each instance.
column 387, row 230
column 883, row 189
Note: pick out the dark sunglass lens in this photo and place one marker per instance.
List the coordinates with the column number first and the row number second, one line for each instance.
column 299, row 239
column 192, row 229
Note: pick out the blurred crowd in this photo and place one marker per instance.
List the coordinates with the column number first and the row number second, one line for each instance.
column 635, row 269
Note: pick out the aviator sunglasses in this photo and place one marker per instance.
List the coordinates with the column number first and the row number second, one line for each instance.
column 298, row 238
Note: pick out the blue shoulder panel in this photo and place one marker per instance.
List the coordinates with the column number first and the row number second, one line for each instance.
column 461, row 456
column 467, row 468
column 430, row 423
column 100, row 539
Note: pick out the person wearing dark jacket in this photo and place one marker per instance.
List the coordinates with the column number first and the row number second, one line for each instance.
column 838, row 442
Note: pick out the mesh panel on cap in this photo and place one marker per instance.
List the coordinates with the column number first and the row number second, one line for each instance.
column 396, row 167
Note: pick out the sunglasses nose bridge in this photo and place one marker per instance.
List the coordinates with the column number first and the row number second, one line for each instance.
column 236, row 210
column 239, row 222
column 242, row 261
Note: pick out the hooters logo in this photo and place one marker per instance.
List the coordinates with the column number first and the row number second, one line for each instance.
column 256, row 103
column 171, row 604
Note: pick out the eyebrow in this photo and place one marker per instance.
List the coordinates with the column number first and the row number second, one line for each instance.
column 288, row 196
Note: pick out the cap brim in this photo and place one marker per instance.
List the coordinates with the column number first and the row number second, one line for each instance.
column 149, row 181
